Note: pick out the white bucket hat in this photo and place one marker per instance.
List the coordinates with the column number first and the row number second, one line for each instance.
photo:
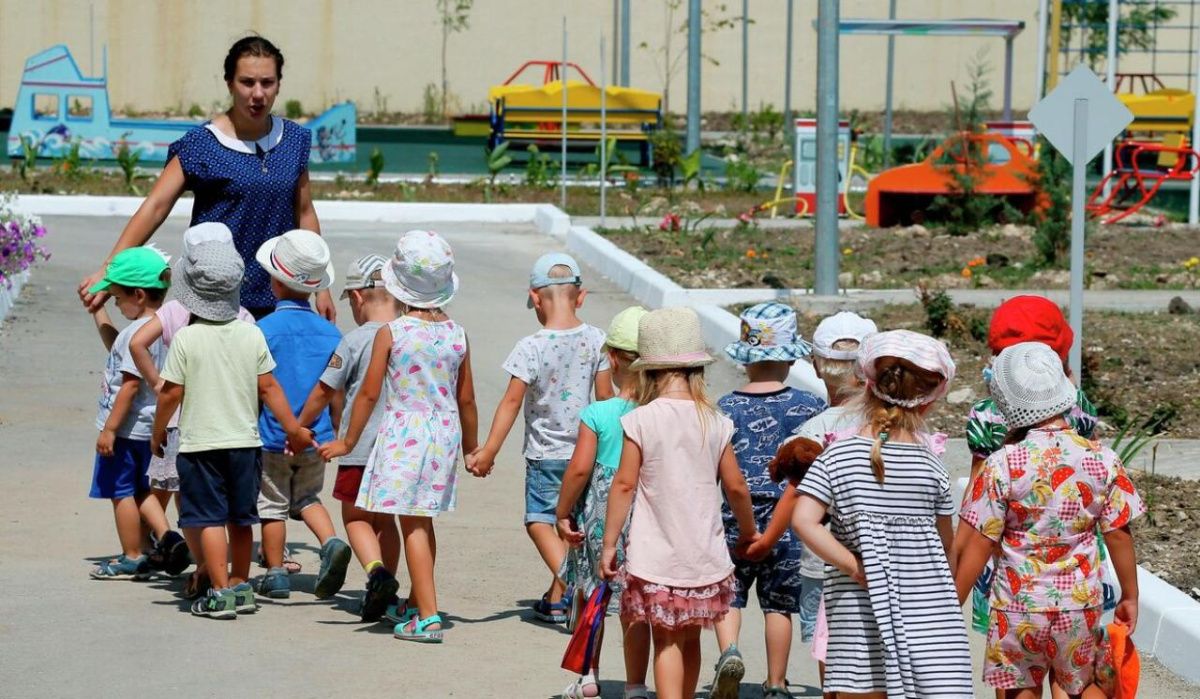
column 670, row 338
column 208, row 232
column 1029, row 384
column 842, row 326
column 421, row 272
column 299, row 259
column 210, row 277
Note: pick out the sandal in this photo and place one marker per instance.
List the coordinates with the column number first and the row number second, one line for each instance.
column 551, row 612
column 583, row 688
column 417, row 629
column 398, row 612
column 122, row 568
column 197, row 586
column 780, row 692
column 291, row 565
column 637, row 691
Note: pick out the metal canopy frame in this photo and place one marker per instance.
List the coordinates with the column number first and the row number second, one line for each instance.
column 1000, row 28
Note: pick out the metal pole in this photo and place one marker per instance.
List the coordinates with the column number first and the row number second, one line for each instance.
column 887, row 93
column 745, row 62
column 1078, row 184
column 1110, row 72
column 693, row 70
column 625, row 23
column 788, row 128
column 616, row 68
column 562, row 78
column 1194, row 194
column 92, row 39
column 826, row 249
column 1043, row 27
column 1053, row 59
column 1008, row 65
column 603, row 134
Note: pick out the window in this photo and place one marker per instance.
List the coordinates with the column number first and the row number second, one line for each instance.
column 79, row 107
column 45, row 106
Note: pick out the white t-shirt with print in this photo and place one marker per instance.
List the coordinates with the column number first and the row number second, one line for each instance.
column 140, row 420
column 559, row 367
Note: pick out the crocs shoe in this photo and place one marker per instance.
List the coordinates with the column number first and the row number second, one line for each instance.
column 555, row 613
column 243, row 599
column 398, row 611
column 417, row 629
column 729, row 672
column 123, row 568
column 335, row 557
column 217, row 604
column 275, row 584
column 381, row 590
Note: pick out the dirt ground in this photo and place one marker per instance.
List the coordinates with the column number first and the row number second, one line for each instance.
column 1126, row 257
column 1166, row 537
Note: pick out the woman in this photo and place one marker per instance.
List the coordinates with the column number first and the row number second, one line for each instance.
column 247, row 169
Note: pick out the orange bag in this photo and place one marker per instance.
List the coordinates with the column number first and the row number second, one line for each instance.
column 1118, row 667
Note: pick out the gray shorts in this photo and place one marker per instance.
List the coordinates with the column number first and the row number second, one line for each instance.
column 290, row 483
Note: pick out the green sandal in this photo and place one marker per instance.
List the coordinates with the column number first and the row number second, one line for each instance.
column 415, row 630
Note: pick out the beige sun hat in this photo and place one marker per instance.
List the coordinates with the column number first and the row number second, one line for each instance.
column 299, row 259
column 670, row 338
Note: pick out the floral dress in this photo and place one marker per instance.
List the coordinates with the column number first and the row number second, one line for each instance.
column 412, row 468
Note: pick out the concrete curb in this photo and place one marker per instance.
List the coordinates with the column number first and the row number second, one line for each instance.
column 8, row 296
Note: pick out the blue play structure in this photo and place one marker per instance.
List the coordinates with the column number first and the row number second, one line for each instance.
column 57, row 106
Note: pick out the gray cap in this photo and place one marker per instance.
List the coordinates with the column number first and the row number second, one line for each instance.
column 211, row 277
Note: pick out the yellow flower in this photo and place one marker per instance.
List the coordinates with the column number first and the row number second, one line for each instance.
column 966, row 272
column 848, row 251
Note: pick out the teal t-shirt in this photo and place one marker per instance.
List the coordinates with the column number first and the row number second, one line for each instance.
column 604, row 418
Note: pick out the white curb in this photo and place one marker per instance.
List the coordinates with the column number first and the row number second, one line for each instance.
column 8, row 297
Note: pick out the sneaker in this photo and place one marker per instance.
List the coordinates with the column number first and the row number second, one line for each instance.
column 123, row 568
column 243, row 598
column 555, row 613
column 729, row 672
column 335, row 556
column 275, row 584
column 172, row 553
column 381, row 590
column 217, row 604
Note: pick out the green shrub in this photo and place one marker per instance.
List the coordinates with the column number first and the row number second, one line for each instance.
column 374, row 167
column 293, row 109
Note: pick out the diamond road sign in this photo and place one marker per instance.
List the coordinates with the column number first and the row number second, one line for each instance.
column 1054, row 115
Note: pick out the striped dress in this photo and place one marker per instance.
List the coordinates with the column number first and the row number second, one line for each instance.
column 904, row 634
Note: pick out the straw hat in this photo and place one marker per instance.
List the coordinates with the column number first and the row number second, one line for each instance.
column 670, row 338
column 299, row 259
column 1029, row 384
column 421, row 271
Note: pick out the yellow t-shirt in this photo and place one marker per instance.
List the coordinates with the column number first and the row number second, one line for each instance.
column 218, row 365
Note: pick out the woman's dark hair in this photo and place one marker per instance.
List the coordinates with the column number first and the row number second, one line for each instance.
column 252, row 46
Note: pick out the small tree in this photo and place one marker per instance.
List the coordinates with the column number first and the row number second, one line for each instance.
column 669, row 56
column 454, row 16
column 1089, row 22
column 1052, row 234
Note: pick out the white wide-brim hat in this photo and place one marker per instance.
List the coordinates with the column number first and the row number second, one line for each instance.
column 299, row 259
column 670, row 338
column 1029, row 384
column 209, row 279
column 421, row 271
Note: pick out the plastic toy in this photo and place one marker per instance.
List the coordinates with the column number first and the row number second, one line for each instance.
column 57, row 106
column 804, row 176
column 526, row 113
column 1138, row 175
column 900, row 195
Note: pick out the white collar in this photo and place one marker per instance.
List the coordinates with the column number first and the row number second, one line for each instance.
column 266, row 143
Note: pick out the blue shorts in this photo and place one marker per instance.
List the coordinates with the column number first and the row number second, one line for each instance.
column 123, row 474
column 219, row 487
column 810, row 604
column 776, row 579
column 543, row 481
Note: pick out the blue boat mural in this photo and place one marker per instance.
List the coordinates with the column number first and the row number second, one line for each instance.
column 58, row 106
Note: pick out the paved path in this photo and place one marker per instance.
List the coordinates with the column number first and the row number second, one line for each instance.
column 62, row 634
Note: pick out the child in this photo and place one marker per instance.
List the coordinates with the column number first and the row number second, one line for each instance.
column 895, row 627
column 553, row 372
column 373, row 536
column 1040, row 498
column 593, row 465
column 301, row 343
column 164, row 477
column 677, row 457
column 216, row 372
column 430, row 417
column 763, row 411
column 137, row 280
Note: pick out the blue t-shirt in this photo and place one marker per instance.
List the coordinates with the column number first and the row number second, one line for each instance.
column 761, row 421
column 301, row 343
column 254, row 193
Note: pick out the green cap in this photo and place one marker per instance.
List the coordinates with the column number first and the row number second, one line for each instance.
column 623, row 331
column 136, row 268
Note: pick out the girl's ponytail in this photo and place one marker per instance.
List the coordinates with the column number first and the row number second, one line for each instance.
column 883, row 421
column 892, row 403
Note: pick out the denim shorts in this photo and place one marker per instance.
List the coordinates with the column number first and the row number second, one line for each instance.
column 123, row 474
column 543, row 481
column 219, row 487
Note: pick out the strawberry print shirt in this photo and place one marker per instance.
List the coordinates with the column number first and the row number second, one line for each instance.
column 1042, row 499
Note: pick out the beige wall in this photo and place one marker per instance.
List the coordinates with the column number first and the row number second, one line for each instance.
column 168, row 53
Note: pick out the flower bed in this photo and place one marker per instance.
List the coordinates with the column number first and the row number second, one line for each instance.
column 20, row 249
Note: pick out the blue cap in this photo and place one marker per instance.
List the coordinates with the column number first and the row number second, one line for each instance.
column 539, row 276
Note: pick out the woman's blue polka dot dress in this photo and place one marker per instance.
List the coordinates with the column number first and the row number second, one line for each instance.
column 252, row 193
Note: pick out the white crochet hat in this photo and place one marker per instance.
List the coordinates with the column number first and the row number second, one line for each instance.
column 1029, row 384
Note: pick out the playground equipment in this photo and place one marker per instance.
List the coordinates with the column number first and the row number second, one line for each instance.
column 533, row 114
column 804, row 183
column 901, row 195
column 1138, row 175
column 58, row 107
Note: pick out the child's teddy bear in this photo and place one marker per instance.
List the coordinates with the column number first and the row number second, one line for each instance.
column 793, row 459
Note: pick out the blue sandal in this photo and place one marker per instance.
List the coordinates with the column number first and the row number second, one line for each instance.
column 123, row 568
column 551, row 612
column 415, row 629
column 398, row 612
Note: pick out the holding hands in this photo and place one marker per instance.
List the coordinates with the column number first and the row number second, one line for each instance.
column 569, row 532
column 480, row 462
column 331, row 450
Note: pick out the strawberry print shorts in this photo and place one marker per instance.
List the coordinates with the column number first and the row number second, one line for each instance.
column 1022, row 647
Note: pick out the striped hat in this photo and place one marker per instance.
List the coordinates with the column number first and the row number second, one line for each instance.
column 364, row 273
column 920, row 350
column 768, row 335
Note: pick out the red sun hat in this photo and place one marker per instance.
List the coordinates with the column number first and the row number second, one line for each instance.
column 1030, row 319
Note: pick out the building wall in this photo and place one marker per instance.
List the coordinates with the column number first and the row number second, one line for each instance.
column 168, row 53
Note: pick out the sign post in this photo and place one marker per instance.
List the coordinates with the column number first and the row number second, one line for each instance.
column 1079, row 118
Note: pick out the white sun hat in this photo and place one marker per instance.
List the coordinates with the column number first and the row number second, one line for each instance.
column 299, row 259
column 207, row 232
column 421, row 271
column 842, row 326
column 1029, row 384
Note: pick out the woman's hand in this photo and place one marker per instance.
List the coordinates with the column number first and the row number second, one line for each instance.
column 568, row 532
column 92, row 302
column 326, row 307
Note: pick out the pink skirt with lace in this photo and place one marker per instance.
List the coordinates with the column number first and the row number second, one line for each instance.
column 674, row 607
